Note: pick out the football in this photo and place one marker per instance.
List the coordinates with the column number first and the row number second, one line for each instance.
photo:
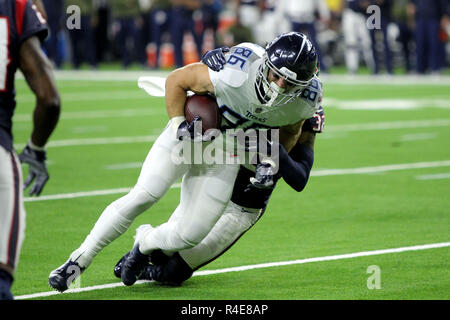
column 204, row 106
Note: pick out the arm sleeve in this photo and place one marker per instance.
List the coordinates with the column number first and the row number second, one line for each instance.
column 296, row 166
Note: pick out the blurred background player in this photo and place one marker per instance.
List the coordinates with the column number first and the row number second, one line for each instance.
column 211, row 11
column 55, row 14
column 182, row 21
column 159, row 24
column 82, row 40
column 302, row 18
column 126, row 15
column 22, row 29
column 356, row 35
column 138, row 29
column 385, row 18
column 405, row 36
column 429, row 16
column 268, row 25
column 249, row 14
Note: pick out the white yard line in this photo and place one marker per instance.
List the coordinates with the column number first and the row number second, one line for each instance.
column 98, row 114
column 386, row 104
column 94, row 141
column 110, row 95
column 254, row 266
column 121, row 166
column 315, row 173
column 418, row 136
column 391, row 125
column 328, row 129
column 435, row 176
column 84, row 194
column 378, row 169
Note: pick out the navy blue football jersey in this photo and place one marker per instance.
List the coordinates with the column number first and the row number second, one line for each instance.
column 19, row 20
column 254, row 198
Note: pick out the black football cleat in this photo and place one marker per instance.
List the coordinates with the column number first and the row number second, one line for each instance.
column 61, row 278
column 145, row 275
column 118, row 266
column 6, row 280
column 133, row 266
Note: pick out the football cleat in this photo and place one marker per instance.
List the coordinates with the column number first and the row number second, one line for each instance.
column 60, row 279
column 145, row 275
column 133, row 266
column 118, row 266
column 6, row 280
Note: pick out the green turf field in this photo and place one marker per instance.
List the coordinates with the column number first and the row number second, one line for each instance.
column 381, row 180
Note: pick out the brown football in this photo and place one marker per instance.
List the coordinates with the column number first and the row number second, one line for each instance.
column 204, row 106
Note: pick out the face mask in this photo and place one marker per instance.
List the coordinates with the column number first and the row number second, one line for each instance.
column 273, row 92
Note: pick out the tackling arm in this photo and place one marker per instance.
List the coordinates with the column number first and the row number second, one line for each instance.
column 296, row 166
column 290, row 134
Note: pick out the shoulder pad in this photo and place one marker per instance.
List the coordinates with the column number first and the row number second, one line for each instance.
column 239, row 59
column 232, row 77
column 254, row 47
column 312, row 94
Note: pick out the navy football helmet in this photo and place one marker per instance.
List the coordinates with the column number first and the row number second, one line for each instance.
column 290, row 56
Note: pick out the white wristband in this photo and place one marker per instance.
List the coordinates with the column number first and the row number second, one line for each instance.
column 175, row 122
column 35, row 147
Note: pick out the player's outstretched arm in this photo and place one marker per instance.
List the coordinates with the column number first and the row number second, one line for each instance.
column 296, row 166
column 290, row 134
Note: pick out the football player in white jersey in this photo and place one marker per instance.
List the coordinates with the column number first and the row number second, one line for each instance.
column 246, row 207
column 272, row 88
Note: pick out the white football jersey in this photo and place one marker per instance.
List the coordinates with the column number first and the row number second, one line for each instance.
column 235, row 91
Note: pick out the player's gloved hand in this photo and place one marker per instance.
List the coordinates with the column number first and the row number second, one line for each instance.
column 193, row 131
column 215, row 59
column 264, row 177
column 37, row 169
column 187, row 130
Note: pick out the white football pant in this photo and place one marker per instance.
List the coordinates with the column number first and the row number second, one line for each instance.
column 356, row 37
column 235, row 221
column 249, row 16
column 205, row 192
column 12, row 211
